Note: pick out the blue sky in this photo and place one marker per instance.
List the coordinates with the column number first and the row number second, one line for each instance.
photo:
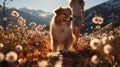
column 47, row 5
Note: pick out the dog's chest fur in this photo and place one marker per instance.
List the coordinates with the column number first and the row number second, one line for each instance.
column 62, row 31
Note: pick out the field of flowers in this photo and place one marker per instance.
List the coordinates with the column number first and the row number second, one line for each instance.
column 29, row 46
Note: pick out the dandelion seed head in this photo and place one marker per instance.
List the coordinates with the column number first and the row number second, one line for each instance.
column 18, row 48
column 15, row 13
column 95, row 59
column 4, row 19
column 95, row 43
column 107, row 49
column 111, row 37
column 11, row 57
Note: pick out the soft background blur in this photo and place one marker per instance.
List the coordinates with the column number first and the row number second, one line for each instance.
column 47, row 5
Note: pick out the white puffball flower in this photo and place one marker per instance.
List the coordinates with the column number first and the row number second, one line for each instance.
column 95, row 43
column 95, row 59
column 18, row 48
column 15, row 13
column 111, row 37
column 11, row 57
column 2, row 56
column 107, row 49
column 4, row 19
column 43, row 63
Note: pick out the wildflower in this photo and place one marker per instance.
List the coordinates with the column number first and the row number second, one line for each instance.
column 111, row 37
column 32, row 24
column 1, row 57
column 4, row 19
column 1, row 45
column 43, row 63
column 95, row 43
column 107, row 49
column 94, row 59
column 15, row 14
column 18, row 48
column 11, row 57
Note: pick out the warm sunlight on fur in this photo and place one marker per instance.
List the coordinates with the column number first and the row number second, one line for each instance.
column 62, row 37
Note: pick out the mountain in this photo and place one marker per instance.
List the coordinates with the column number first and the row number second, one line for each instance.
column 46, row 16
column 30, row 15
column 109, row 10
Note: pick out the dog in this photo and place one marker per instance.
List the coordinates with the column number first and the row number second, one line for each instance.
column 62, row 37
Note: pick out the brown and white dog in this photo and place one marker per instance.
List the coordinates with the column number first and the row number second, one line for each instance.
column 62, row 37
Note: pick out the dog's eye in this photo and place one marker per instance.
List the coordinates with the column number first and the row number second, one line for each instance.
column 64, row 14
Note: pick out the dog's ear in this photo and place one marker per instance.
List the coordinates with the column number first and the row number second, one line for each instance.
column 69, row 10
column 58, row 11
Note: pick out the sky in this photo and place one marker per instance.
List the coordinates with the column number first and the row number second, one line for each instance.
column 47, row 5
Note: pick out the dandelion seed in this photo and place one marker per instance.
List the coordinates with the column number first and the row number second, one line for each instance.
column 15, row 14
column 11, row 57
column 18, row 48
column 43, row 63
column 95, row 43
column 107, row 49
column 1, row 45
column 94, row 59
column 1, row 57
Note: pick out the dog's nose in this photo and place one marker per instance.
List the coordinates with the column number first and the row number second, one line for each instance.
column 71, row 18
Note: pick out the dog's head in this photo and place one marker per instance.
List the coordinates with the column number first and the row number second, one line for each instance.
column 64, row 14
